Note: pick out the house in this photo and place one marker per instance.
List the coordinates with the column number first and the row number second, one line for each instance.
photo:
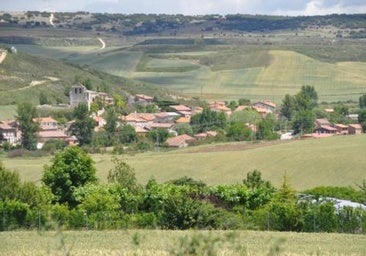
column 327, row 129
column 241, row 108
column 183, row 120
column 8, row 134
column 262, row 111
column 354, row 129
column 179, row 141
column 138, row 119
column 100, row 122
column 321, row 122
column 166, row 117
column 341, row 129
column 205, row 135
column 79, row 94
column 220, row 106
column 143, row 99
column 182, row 109
column 47, row 123
column 267, row 104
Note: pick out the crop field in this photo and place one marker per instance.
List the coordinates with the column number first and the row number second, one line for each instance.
column 335, row 161
column 229, row 71
column 162, row 242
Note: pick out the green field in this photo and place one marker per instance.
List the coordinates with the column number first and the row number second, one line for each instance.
column 229, row 71
column 335, row 161
column 159, row 242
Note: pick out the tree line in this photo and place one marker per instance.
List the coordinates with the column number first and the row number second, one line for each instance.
column 70, row 196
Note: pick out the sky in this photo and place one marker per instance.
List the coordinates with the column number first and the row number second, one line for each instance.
column 191, row 7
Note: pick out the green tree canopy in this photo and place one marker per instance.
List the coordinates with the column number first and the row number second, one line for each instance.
column 288, row 107
column 83, row 126
column 123, row 174
column 238, row 131
column 69, row 169
column 127, row 134
column 28, row 126
column 208, row 120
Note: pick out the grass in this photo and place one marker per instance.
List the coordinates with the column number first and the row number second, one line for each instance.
column 335, row 161
column 159, row 242
column 7, row 112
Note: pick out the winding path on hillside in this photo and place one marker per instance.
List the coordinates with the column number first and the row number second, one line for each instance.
column 37, row 82
column 102, row 42
column 51, row 20
column 3, row 55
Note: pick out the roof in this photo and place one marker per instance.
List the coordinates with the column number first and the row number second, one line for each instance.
column 241, row 108
column 221, row 108
column 183, row 120
column 144, row 97
column 328, row 127
column 341, row 126
column 161, row 125
column 6, row 127
column 179, row 141
column 322, row 121
column 355, row 126
column 139, row 117
column 217, row 103
column 57, row 134
column 181, row 108
column 267, row 103
column 139, row 129
column 260, row 110
column 46, row 120
column 206, row 134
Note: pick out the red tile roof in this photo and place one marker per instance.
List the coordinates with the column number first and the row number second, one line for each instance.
column 181, row 108
column 179, row 141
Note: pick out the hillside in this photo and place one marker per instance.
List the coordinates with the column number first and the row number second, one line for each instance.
column 210, row 57
column 25, row 77
column 335, row 161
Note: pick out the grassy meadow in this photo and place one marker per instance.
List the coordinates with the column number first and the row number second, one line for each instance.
column 335, row 161
column 162, row 242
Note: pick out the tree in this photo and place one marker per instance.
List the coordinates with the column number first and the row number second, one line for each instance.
column 26, row 115
column 244, row 102
column 303, row 122
column 362, row 119
column 70, row 169
column 111, row 119
column 123, row 174
column 184, row 129
column 362, row 101
column 208, row 120
column 265, row 130
column 127, row 134
column 238, row 131
column 83, row 126
column 288, row 107
column 43, row 100
column 88, row 84
column 254, row 180
column 339, row 114
column 308, row 92
column 159, row 135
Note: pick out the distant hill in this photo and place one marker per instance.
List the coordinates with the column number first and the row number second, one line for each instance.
column 138, row 24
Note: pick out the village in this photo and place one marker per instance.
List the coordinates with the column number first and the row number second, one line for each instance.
column 143, row 122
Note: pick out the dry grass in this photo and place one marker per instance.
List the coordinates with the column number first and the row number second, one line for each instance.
column 159, row 242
